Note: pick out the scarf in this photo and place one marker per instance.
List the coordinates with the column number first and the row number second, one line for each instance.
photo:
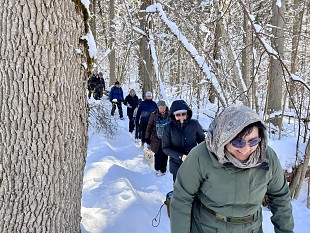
column 225, row 127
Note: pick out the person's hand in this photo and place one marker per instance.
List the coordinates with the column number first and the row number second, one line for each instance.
column 114, row 100
column 184, row 157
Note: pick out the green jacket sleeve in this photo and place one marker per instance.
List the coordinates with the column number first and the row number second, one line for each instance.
column 279, row 197
column 186, row 186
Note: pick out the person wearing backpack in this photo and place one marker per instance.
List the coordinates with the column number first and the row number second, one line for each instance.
column 181, row 135
column 132, row 102
column 154, row 133
column 117, row 97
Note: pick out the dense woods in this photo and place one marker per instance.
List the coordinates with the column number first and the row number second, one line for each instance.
column 218, row 52
column 222, row 52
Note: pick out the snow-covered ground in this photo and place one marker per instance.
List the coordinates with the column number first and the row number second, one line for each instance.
column 121, row 193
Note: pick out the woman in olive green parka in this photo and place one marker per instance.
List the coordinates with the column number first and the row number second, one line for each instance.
column 221, row 185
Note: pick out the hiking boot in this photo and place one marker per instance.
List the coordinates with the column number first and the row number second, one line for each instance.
column 122, row 118
column 159, row 173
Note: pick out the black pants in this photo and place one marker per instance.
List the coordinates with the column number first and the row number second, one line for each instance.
column 143, row 130
column 160, row 160
column 174, row 177
column 137, row 131
column 98, row 93
column 131, row 123
column 119, row 106
column 90, row 91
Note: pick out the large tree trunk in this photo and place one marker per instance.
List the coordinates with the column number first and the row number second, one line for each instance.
column 93, row 9
column 276, row 72
column 111, row 43
column 145, row 63
column 297, row 24
column 43, row 116
column 247, row 58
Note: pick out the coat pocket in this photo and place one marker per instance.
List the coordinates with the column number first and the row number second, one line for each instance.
column 208, row 229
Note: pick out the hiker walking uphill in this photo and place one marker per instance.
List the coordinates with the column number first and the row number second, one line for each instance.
column 180, row 135
column 145, row 109
column 154, row 133
column 116, row 98
column 221, row 185
column 132, row 102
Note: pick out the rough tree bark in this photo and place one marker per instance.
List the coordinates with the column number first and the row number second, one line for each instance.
column 299, row 8
column 111, row 43
column 92, row 21
column 247, row 59
column 43, row 116
column 276, row 72
column 145, row 64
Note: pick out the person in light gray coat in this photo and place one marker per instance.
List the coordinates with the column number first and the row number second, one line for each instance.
column 221, row 185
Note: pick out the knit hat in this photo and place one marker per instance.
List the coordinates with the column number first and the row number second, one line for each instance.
column 148, row 94
column 161, row 103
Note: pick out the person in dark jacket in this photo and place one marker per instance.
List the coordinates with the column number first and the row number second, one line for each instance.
column 100, row 86
column 180, row 135
column 221, row 185
column 92, row 83
column 145, row 109
column 117, row 97
column 154, row 133
column 132, row 102
column 137, row 126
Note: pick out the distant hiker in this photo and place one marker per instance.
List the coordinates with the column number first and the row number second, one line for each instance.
column 137, row 126
column 132, row 102
column 92, row 83
column 154, row 133
column 116, row 98
column 181, row 135
column 100, row 86
column 221, row 185
column 96, row 85
column 143, row 114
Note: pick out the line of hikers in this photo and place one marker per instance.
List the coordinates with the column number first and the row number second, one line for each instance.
column 163, row 130
column 225, row 173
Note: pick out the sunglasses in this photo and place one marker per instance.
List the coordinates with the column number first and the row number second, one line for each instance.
column 180, row 114
column 240, row 143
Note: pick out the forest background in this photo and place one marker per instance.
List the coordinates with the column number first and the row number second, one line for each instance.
column 205, row 52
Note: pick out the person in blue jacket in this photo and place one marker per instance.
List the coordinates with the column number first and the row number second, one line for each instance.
column 145, row 109
column 116, row 98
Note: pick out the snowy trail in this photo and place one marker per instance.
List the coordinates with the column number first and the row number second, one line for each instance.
column 121, row 194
